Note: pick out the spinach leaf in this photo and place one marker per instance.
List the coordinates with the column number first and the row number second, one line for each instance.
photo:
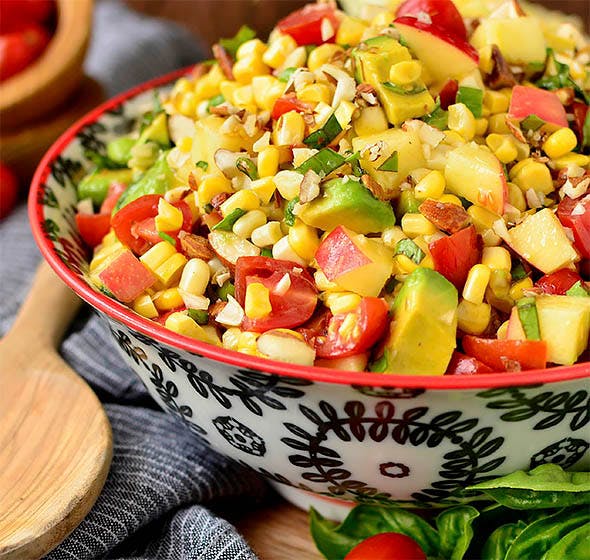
column 232, row 45
column 574, row 546
column 498, row 543
column 540, row 536
column 455, row 531
column 546, row 486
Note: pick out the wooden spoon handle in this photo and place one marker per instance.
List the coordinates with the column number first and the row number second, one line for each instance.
column 47, row 311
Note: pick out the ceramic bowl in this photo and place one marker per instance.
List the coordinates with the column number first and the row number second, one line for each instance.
column 351, row 436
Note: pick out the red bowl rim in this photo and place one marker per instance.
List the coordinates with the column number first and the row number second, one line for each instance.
column 124, row 315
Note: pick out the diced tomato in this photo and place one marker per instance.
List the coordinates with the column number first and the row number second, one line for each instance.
column 305, row 25
column 580, row 111
column 507, row 355
column 289, row 309
column 93, row 227
column 442, row 13
column 126, row 277
column 387, row 546
column 461, row 364
column 126, row 218
column 116, row 189
column 528, row 100
column 20, row 47
column 448, row 94
column 454, row 255
column 317, row 326
column 289, row 103
column 575, row 214
column 558, row 282
column 356, row 331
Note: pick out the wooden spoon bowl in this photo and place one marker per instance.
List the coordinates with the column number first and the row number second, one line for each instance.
column 55, row 438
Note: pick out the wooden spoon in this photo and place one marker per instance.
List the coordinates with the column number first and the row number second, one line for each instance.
column 55, row 438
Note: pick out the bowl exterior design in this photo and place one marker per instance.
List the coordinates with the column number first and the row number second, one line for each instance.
column 361, row 442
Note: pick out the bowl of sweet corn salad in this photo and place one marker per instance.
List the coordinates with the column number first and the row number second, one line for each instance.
column 363, row 230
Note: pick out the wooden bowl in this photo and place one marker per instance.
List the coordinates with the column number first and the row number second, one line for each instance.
column 51, row 79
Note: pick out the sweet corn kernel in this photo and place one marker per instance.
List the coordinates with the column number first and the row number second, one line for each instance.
column 530, row 174
column 183, row 85
column 486, row 63
column 253, row 47
column 404, row 265
column 431, row 186
column 405, row 72
column 482, row 218
column 496, row 258
column 571, row 159
column 251, row 220
column 350, row 31
column 490, row 238
column 496, row 101
column 157, row 255
column 244, row 97
column 230, row 338
column 416, row 224
column 181, row 323
column 481, row 126
column 195, row 277
column 144, row 306
column 473, row 318
column 247, row 343
column 227, row 88
column 169, row 218
column 247, row 68
column 342, row 302
column 453, row 138
column 516, row 197
column 476, row 284
column 267, row 234
column 105, row 256
column 392, row 235
column 289, row 129
column 168, row 299
column 461, row 120
column 561, row 142
column 267, row 89
column 497, row 124
column 304, row 240
column 322, row 55
column 210, row 186
column 295, row 59
column 450, row 199
column 371, row 120
column 208, row 86
column 187, row 104
column 288, row 183
column 257, row 301
column 315, row 93
column 186, row 144
column 502, row 146
column 500, row 279
column 245, row 200
column 264, row 189
column 169, row 272
column 323, row 284
column 383, row 18
column 268, row 161
column 518, row 288
column 282, row 250
column 278, row 50
column 427, row 262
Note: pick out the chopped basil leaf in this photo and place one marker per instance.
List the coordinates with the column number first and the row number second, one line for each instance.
column 577, row 290
column 532, row 122
column 439, row 118
column 402, row 90
column 202, row 164
column 199, row 316
column 228, row 289
column 228, row 222
column 472, row 98
column 286, row 74
column 323, row 163
column 534, row 67
column 289, row 216
column 353, row 161
column 323, row 136
column 266, row 252
column 561, row 78
column 390, row 164
column 518, row 272
column 527, row 313
column 166, row 237
column 214, row 101
column 247, row 167
column 410, row 249
column 232, row 45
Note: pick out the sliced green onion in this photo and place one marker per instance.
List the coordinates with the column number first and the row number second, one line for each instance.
column 532, row 122
column 286, row 74
column 472, row 98
column 214, row 101
column 410, row 249
column 323, row 136
column 228, row 289
column 199, row 316
column 518, row 272
column 232, row 44
column 266, row 252
column 402, row 90
column 247, row 167
column 323, row 163
column 202, row 164
column 577, row 290
column 439, row 118
column 390, row 164
column 527, row 313
column 228, row 222
column 289, row 216
column 166, row 237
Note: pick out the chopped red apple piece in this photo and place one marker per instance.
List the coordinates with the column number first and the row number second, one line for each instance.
column 515, row 330
column 441, row 13
column 126, row 277
column 528, row 100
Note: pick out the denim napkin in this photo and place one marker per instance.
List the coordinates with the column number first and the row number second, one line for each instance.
column 162, row 480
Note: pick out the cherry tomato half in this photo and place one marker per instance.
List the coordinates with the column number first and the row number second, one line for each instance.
column 558, row 282
column 116, row 189
column 356, row 331
column 442, row 13
column 461, row 364
column 289, row 103
column 21, row 47
column 126, row 218
column 305, row 25
column 507, row 355
column 289, row 309
column 93, row 227
column 387, row 546
column 8, row 190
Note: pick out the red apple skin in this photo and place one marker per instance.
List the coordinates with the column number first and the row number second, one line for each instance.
column 439, row 33
column 515, row 330
column 528, row 100
column 337, row 254
column 443, row 14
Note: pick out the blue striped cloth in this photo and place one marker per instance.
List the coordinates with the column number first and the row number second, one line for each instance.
column 163, row 484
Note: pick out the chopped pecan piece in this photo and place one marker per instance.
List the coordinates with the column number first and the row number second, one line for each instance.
column 310, row 186
column 501, row 75
column 219, row 199
column 195, row 246
column 445, row 216
column 374, row 187
column 192, row 182
column 225, row 61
